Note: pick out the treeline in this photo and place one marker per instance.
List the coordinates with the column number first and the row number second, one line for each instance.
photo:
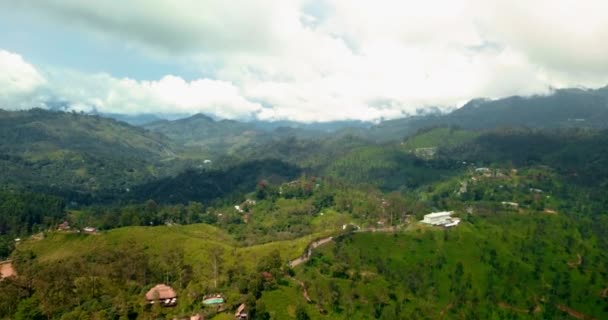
column 580, row 155
column 391, row 168
column 22, row 213
column 206, row 185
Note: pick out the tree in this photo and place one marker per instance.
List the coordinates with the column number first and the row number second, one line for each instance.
column 28, row 310
column 216, row 263
column 335, row 296
column 271, row 263
column 395, row 208
column 301, row 313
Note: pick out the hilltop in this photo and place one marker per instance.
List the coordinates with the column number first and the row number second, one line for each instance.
column 562, row 108
column 49, row 149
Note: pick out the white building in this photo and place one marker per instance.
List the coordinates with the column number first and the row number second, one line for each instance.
column 441, row 219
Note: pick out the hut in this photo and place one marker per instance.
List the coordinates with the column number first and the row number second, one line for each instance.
column 64, row 226
column 162, row 293
column 7, row 270
column 241, row 313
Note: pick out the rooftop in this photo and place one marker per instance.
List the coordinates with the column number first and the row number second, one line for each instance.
column 438, row 214
column 164, row 292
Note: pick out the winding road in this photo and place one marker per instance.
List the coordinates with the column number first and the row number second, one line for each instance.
column 323, row 241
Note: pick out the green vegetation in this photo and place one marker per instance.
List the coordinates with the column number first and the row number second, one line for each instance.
column 531, row 244
column 390, row 168
column 107, row 274
column 24, row 213
column 445, row 137
column 491, row 267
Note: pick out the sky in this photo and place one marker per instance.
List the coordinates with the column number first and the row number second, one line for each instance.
column 302, row 60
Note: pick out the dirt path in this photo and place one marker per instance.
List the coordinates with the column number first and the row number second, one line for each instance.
column 574, row 313
column 318, row 243
column 7, row 270
column 304, row 290
column 306, row 256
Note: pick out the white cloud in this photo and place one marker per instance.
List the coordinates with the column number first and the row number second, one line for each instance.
column 337, row 59
column 169, row 95
column 24, row 87
column 560, row 35
column 176, row 26
column 172, row 94
column 18, row 80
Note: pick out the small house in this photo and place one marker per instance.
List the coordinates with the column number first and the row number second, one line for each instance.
column 162, row 293
column 7, row 270
column 249, row 202
column 443, row 218
column 437, row 218
column 241, row 312
column 64, row 226
column 90, row 230
column 510, row 204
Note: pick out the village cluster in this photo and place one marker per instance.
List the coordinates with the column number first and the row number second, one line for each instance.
column 167, row 297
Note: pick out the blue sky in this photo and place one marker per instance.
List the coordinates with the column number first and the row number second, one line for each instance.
column 306, row 60
column 61, row 45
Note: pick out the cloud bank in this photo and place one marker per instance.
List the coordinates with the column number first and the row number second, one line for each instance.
column 321, row 60
column 24, row 87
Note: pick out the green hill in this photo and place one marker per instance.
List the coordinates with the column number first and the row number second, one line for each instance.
column 115, row 268
column 564, row 108
column 35, row 133
column 496, row 267
column 208, row 137
column 443, row 137
column 74, row 151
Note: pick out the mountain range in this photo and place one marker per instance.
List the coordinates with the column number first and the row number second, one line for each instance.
column 90, row 153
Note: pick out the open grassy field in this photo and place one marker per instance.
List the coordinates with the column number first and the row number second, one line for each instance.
column 196, row 240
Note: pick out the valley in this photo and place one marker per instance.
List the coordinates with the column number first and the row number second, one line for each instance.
column 308, row 222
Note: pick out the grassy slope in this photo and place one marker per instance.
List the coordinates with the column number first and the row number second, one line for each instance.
column 439, row 137
column 197, row 241
column 388, row 266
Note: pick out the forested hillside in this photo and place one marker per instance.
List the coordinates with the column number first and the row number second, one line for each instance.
column 564, row 108
column 230, row 212
column 60, row 150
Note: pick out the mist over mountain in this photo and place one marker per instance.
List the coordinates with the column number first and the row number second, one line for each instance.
column 564, row 108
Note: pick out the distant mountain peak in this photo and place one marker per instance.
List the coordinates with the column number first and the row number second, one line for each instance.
column 200, row 116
